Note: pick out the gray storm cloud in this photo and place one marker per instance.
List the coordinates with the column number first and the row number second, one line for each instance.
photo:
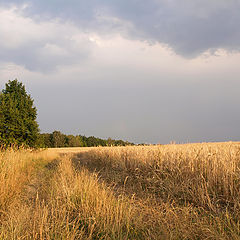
column 188, row 27
column 40, row 46
column 110, row 82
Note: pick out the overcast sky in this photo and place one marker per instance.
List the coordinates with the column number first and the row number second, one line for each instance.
column 145, row 71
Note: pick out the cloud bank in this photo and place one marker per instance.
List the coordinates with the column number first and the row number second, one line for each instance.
column 188, row 27
column 144, row 71
column 40, row 46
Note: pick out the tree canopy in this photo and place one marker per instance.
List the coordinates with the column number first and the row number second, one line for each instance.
column 18, row 115
column 58, row 139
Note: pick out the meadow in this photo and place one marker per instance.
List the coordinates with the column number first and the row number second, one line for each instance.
column 189, row 191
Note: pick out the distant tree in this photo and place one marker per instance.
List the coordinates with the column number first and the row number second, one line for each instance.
column 82, row 143
column 73, row 141
column 84, row 140
column 46, row 140
column 18, row 115
column 91, row 141
column 110, row 142
column 58, row 139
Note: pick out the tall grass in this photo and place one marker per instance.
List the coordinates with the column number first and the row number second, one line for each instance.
column 92, row 206
column 56, row 202
column 198, row 185
column 17, row 170
column 155, row 192
column 206, row 175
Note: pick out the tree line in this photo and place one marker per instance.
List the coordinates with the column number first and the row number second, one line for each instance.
column 19, row 127
column 57, row 139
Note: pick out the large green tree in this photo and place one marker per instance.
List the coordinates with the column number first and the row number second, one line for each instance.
column 18, row 115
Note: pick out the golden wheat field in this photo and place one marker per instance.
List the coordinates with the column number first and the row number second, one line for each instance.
column 189, row 191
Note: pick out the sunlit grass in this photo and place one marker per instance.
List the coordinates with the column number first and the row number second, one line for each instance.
column 147, row 192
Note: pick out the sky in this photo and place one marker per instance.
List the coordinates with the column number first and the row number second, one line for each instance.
column 151, row 71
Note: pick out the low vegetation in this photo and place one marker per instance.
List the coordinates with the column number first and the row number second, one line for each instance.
column 138, row 192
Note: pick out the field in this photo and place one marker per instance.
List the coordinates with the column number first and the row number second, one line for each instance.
column 189, row 191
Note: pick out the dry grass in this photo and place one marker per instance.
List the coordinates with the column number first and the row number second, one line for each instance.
column 48, row 199
column 155, row 192
column 189, row 191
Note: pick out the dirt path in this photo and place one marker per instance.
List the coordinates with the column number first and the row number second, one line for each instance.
column 39, row 183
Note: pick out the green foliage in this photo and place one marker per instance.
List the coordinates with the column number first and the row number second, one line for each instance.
column 58, row 139
column 45, row 140
column 73, row 141
column 18, row 123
